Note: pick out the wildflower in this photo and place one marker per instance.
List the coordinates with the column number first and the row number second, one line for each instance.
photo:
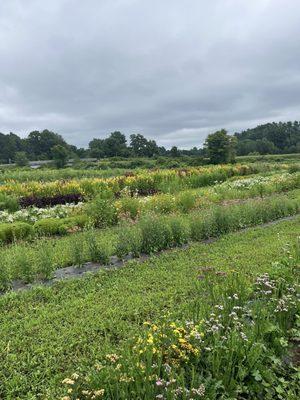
column 68, row 381
column 159, row 382
column 99, row 393
column 200, row 391
column 112, row 357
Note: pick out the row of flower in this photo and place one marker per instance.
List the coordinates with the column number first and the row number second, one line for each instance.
column 33, row 214
column 231, row 343
column 149, row 235
column 143, row 183
column 105, row 212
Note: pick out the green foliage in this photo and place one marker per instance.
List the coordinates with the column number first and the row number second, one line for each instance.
column 77, row 252
column 129, row 206
column 129, row 241
column 45, row 264
column 98, row 251
column 111, row 307
column 10, row 232
column 275, row 137
column 60, row 155
column 9, row 203
column 156, row 234
column 102, row 212
column 23, row 266
column 50, row 227
column 186, row 201
column 220, row 147
column 21, row 159
column 180, row 231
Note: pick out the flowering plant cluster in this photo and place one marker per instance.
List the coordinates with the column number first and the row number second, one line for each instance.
column 234, row 351
column 144, row 182
column 33, row 214
column 249, row 183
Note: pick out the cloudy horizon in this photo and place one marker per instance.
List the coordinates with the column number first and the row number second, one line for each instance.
column 173, row 71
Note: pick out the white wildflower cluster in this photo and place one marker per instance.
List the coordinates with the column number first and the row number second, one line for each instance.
column 33, row 214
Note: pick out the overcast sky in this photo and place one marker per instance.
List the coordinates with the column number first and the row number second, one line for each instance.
column 174, row 70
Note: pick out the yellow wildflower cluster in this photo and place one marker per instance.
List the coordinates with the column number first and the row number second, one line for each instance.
column 170, row 342
column 142, row 181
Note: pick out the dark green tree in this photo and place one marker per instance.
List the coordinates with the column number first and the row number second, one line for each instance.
column 220, row 147
column 174, row 152
column 21, row 158
column 143, row 147
column 60, row 155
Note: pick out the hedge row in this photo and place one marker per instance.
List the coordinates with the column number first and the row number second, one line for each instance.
column 10, row 232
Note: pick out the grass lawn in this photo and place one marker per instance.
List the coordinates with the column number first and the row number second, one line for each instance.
column 48, row 333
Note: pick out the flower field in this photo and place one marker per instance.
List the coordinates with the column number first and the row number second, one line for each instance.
column 206, row 304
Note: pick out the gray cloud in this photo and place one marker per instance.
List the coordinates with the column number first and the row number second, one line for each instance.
column 174, row 70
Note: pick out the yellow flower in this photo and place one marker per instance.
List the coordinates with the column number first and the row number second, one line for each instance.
column 68, row 381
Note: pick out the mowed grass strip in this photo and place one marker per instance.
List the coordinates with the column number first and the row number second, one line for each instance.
column 50, row 332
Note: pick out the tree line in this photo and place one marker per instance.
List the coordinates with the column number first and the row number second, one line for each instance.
column 271, row 138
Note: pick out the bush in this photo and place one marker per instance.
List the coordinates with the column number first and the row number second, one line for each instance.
column 15, row 231
column 180, row 231
column 45, row 262
column 186, row 201
column 23, row 265
column 60, row 226
column 129, row 241
column 51, row 226
column 5, row 276
column 98, row 252
column 102, row 212
column 9, row 203
column 77, row 252
column 129, row 206
column 156, row 234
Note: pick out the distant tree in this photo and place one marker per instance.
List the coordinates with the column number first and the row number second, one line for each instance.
column 220, row 147
column 174, row 152
column 275, row 137
column 115, row 145
column 97, row 148
column 9, row 145
column 143, row 147
column 21, row 158
column 60, row 155
column 39, row 144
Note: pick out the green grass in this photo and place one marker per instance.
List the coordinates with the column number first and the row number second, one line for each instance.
column 48, row 333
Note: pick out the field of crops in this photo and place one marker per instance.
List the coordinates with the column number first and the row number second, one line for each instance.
column 185, row 283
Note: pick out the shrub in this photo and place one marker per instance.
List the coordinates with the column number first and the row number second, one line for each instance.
column 129, row 206
column 23, row 265
column 5, row 276
column 51, row 226
column 180, row 231
column 163, row 204
column 98, row 252
column 129, row 241
column 77, row 252
column 102, row 212
column 202, row 228
column 15, row 231
column 156, row 234
column 45, row 264
column 9, row 203
column 186, row 201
